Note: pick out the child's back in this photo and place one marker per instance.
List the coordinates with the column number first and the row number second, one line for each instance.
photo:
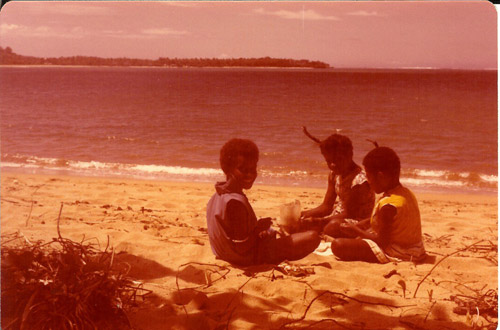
column 395, row 223
column 221, row 234
column 234, row 232
column 405, row 233
column 405, row 228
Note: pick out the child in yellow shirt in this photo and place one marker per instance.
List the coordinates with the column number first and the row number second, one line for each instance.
column 395, row 229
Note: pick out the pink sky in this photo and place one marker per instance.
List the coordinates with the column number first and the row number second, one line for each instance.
column 444, row 34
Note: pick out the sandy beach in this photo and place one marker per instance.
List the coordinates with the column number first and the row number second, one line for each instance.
column 159, row 229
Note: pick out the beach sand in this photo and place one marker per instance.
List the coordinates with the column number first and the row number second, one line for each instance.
column 159, row 228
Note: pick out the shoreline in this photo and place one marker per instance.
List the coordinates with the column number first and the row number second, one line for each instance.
column 289, row 191
column 158, row 230
column 336, row 69
column 447, row 191
column 158, row 67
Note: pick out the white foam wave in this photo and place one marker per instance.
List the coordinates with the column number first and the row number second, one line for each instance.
column 423, row 178
column 283, row 173
column 103, row 168
column 430, row 173
column 176, row 170
column 18, row 165
column 433, row 182
column 489, row 178
column 89, row 165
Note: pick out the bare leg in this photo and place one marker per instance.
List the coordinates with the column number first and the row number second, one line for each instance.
column 334, row 230
column 317, row 224
column 302, row 244
column 290, row 247
column 349, row 249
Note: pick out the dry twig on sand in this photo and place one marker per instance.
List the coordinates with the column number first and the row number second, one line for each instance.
column 63, row 284
column 333, row 293
column 32, row 203
column 445, row 257
column 485, row 305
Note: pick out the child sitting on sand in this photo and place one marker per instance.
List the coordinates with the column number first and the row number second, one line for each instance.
column 348, row 195
column 234, row 232
column 395, row 232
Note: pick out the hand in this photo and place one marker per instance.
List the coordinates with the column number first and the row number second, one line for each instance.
column 333, row 168
column 347, row 228
column 267, row 234
column 347, row 225
column 263, row 224
column 305, row 215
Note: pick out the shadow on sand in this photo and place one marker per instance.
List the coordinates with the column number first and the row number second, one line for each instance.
column 233, row 307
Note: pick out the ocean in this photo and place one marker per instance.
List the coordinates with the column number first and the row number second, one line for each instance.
column 170, row 123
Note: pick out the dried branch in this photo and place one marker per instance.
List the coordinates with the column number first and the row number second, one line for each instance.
column 485, row 304
column 8, row 200
column 339, row 294
column 411, row 325
column 59, row 218
column 68, row 286
column 32, row 202
column 232, row 299
column 429, row 312
column 445, row 257
column 312, row 325
column 221, row 268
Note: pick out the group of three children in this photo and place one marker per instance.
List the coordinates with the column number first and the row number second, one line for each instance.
column 362, row 230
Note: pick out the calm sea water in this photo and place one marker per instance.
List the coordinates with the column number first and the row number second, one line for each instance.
column 169, row 124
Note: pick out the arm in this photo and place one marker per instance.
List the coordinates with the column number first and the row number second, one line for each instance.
column 363, row 224
column 385, row 216
column 326, row 208
column 237, row 223
column 360, row 202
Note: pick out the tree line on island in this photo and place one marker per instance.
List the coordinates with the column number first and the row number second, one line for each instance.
column 8, row 57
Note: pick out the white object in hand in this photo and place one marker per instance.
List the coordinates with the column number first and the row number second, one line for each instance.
column 289, row 213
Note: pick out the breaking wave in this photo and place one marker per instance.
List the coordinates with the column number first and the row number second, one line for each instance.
column 418, row 179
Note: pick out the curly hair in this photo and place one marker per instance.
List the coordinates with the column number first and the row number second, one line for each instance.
column 336, row 144
column 237, row 147
column 382, row 159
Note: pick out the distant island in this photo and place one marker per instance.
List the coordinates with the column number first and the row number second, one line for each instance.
column 8, row 57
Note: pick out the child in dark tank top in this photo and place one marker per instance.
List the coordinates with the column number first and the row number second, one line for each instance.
column 235, row 233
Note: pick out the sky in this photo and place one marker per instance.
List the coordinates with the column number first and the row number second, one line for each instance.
column 357, row 34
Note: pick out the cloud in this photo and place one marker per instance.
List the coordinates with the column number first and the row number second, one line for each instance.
column 67, row 8
column 163, row 32
column 308, row 14
column 187, row 4
column 41, row 31
column 113, row 32
column 145, row 33
column 7, row 28
column 363, row 13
